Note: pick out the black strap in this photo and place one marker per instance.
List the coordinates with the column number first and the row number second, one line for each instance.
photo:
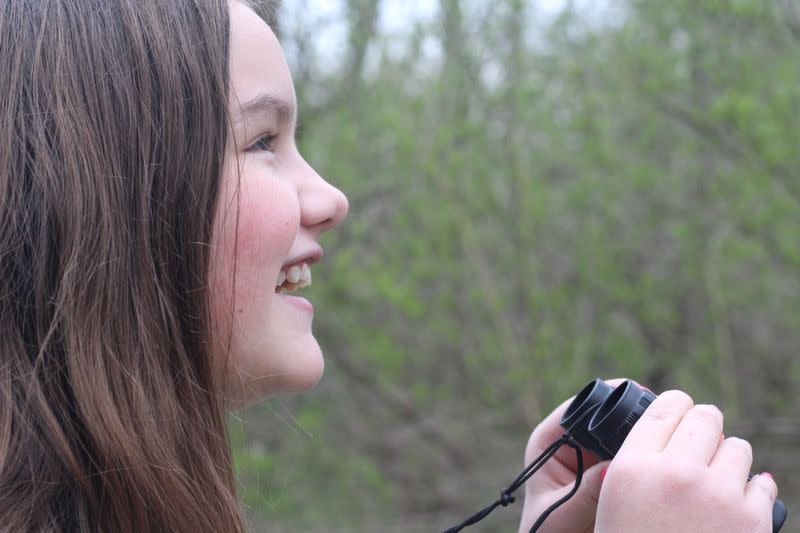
column 578, row 478
column 507, row 498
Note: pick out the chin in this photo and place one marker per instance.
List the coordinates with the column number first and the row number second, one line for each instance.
column 300, row 370
column 305, row 375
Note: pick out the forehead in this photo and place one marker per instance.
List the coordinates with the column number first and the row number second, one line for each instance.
column 257, row 64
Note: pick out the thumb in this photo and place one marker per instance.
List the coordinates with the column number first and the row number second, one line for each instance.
column 589, row 491
column 577, row 513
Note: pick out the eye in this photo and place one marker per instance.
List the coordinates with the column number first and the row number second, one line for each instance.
column 265, row 143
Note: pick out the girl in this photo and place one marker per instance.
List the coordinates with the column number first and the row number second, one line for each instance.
column 154, row 210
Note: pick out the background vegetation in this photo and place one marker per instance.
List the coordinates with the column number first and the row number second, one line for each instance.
column 611, row 191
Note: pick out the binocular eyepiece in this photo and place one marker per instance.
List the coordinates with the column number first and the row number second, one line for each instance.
column 600, row 417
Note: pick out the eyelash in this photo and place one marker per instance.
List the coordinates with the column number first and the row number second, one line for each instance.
column 269, row 140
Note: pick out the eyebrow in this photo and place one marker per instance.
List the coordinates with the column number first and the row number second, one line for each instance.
column 267, row 104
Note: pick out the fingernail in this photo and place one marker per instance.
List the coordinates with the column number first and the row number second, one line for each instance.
column 768, row 475
column 603, row 473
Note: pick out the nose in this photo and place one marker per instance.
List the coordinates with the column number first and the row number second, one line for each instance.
column 322, row 206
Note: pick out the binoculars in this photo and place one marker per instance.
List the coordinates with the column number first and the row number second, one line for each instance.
column 600, row 417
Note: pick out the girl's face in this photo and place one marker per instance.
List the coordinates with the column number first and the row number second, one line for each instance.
column 283, row 206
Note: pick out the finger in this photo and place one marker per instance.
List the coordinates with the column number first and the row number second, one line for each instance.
column 593, row 479
column 733, row 460
column 581, row 508
column 654, row 429
column 697, row 435
column 762, row 491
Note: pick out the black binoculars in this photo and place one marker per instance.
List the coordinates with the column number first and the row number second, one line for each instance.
column 600, row 417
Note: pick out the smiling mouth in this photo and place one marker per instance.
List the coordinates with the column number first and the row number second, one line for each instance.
column 294, row 278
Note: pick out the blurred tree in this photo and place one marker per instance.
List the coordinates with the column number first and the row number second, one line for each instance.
column 533, row 203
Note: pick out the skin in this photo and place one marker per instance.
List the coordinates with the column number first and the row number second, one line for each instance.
column 675, row 472
column 283, row 206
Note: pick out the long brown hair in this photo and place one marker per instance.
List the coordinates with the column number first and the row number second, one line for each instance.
column 113, row 130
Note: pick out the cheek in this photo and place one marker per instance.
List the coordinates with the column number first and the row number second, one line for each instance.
column 268, row 222
column 269, row 219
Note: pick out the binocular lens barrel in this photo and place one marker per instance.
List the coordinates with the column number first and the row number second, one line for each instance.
column 600, row 417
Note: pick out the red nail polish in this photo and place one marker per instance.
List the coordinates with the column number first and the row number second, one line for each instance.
column 603, row 473
column 768, row 475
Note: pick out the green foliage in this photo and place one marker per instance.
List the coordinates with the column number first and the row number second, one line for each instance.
column 621, row 198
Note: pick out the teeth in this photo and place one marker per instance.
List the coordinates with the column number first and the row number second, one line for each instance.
column 297, row 277
column 294, row 274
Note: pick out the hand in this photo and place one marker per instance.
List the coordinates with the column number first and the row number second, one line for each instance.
column 556, row 478
column 677, row 472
